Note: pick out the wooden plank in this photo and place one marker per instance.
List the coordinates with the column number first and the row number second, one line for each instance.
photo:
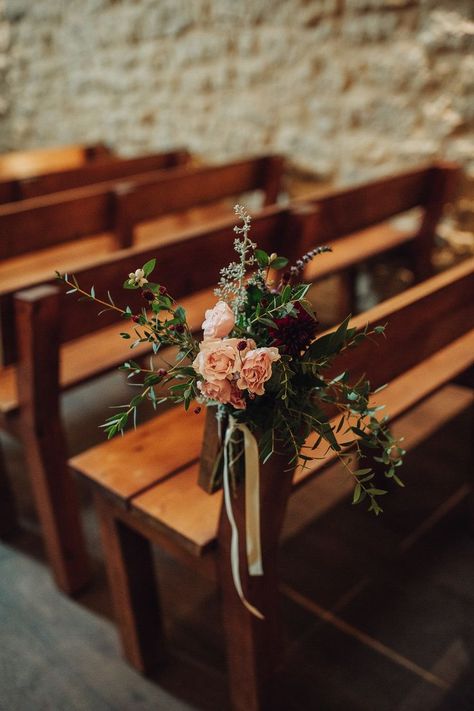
column 27, row 270
column 357, row 247
column 62, row 217
column 348, row 210
column 182, row 189
column 130, row 570
column 421, row 320
column 44, row 441
column 22, row 164
column 144, row 456
column 99, row 172
column 352, row 209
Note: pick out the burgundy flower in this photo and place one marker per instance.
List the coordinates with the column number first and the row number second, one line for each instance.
column 294, row 333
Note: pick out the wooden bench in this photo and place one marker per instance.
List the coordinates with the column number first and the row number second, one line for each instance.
column 19, row 165
column 367, row 208
column 66, row 231
column 99, row 171
column 146, row 485
column 61, row 343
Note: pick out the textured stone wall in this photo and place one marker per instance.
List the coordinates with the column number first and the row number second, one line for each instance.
column 346, row 88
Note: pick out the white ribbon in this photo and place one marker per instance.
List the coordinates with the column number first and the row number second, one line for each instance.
column 252, row 509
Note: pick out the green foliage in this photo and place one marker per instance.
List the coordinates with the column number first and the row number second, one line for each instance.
column 306, row 411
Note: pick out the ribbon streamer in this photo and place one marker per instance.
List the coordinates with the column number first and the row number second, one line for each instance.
column 252, row 510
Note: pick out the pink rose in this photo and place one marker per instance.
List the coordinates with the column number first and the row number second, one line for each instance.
column 257, row 369
column 219, row 321
column 220, row 390
column 237, row 398
column 217, row 360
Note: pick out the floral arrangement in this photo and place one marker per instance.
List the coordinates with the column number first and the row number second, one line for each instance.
column 260, row 362
column 269, row 377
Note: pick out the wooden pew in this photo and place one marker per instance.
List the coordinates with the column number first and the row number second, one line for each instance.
column 99, row 171
column 69, row 230
column 38, row 161
column 143, row 203
column 367, row 207
column 61, row 343
column 345, row 219
column 162, row 503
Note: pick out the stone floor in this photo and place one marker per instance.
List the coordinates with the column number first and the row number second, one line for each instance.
column 378, row 612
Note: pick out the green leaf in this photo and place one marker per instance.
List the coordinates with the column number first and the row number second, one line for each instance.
column 125, row 335
column 267, row 322
column 279, row 263
column 357, row 493
column 262, row 258
column 149, row 266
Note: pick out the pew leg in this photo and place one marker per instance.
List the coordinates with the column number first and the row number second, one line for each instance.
column 253, row 645
column 129, row 563
column 8, row 513
column 57, row 505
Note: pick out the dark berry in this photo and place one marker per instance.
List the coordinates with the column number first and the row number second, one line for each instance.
column 148, row 295
column 241, row 345
column 180, row 328
column 197, row 410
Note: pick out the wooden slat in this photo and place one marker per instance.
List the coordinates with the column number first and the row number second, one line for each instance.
column 191, row 516
column 22, row 164
column 100, row 171
column 357, row 247
column 41, row 222
column 348, row 210
column 27, row 270
column 184, row 189
column 421, row 321
column 143, row 457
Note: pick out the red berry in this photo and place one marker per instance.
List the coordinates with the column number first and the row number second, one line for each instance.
column 197, row 410
column 136, row 319
column 161, row 372
column 162, row 290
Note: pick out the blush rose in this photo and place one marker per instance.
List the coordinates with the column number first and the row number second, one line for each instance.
column 256, row 369
column 220, row 390
column 219, row 321
column 217, row 359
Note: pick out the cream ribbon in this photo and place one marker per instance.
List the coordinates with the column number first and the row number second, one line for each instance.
column 252, row 509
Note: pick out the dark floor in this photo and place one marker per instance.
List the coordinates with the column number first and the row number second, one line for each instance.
column 379, row 613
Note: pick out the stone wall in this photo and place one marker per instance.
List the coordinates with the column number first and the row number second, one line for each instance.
column 345, row 88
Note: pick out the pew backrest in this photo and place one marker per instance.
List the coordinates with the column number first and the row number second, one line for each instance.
column 183, row 190
column 350, row 210
column 98, row 171
column 25, row 164
column 420, row 321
